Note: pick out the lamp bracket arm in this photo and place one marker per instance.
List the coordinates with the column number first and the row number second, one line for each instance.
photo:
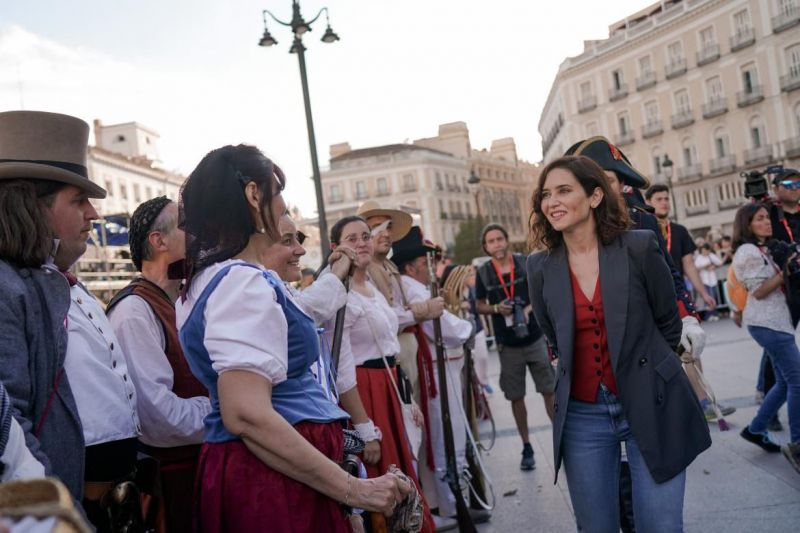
column 324, row 9
column 276, row 19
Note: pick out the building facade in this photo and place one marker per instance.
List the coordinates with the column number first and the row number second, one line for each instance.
column 713, row 85
column 430, row 178
column 125, row 161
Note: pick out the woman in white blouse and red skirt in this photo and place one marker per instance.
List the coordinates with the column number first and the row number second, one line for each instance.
column 273, row 437
column 369, row 343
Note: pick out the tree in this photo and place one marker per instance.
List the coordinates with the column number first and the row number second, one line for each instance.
column 467, row 244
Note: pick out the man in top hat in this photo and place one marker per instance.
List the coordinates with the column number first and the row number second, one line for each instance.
column 59, row 358
column 170, row 401
column 410, row 255
column 389, row 226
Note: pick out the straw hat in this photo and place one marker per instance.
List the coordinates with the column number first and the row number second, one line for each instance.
column 401, row 221
column 50, row 146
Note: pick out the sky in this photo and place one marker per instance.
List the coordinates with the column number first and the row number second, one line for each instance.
column 192, row 70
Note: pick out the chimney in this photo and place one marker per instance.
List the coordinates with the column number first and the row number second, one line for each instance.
column 339, row 149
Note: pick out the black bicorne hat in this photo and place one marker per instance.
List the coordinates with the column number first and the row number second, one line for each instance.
column 609, row 157
column 410, row 247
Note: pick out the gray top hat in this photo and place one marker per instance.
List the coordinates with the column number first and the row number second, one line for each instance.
column 49, row 146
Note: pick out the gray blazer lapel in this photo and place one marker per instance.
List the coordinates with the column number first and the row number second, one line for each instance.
column 614, row 288
column 558, row 296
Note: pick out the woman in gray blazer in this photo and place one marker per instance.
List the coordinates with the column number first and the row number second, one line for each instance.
column 604, row 297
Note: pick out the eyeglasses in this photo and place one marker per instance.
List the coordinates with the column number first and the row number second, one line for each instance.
column 352, row 239
column 790, row 184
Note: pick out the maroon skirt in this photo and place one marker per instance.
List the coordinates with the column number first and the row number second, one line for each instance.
column 383, row 408
column 237, row 492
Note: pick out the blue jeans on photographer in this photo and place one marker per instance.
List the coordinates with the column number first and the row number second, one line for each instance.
column 591, row 444
column 781, row 347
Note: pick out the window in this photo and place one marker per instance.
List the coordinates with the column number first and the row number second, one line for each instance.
column 617, row 79
column 409, row 183
column 148, row 191
column 109, row 187
column 645, row 65
column 675, row 52
column 714, row 88
column 137, row 193
column 749, row 78
column 682, row 105
column 757, row 134
column 721, row 143
column 696, row 198
column 442, row 212
column 730, row 191
column 336, row 193
column 586, row 90
column 707, row 38
column 361, row 190
column 624, row 123
column 793, row 60
column 651, row 112
column 786, row 7
column 688, row 152
column 119, row 139
column 383, row 187
column 797, row 118
column 123, row 191
column 656, row 158
column 741, row 22
column 439, row 186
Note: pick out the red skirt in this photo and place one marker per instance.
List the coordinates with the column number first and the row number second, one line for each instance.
column 237, row 492
column 383, row 407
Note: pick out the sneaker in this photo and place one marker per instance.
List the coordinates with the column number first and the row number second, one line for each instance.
column 775, row 424
column 760, row 439
column 711, row 416
column 792, row 453
column 444, row 523
column 528, row 462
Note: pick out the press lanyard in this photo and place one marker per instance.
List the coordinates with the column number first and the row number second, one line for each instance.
column 788, row 229
column 669, row 237
column 509, row 293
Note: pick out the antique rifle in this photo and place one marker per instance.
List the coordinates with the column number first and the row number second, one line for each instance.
column 463, row 517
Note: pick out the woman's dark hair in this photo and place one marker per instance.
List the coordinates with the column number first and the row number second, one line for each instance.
column 215, row 213
column 610, row 216
column 742, row 233
column 336, row 230
column 26, row 239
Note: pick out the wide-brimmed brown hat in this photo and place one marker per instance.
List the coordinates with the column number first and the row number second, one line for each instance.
column 49, row 146
column 401, row 221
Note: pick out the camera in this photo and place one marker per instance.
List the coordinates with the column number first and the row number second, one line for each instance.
column 756, row 184
column 782, row 252
column 518, row 324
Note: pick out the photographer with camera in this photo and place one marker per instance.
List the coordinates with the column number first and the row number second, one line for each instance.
column 501, row 290
column 769, row 322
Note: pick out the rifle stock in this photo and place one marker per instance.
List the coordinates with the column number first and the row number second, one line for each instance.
column 338, row 327
column 464, row 519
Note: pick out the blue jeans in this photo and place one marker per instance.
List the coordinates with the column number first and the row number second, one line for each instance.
column 785, row 357
column 591, row 451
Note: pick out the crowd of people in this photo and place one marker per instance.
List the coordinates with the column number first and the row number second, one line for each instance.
column 226, row 389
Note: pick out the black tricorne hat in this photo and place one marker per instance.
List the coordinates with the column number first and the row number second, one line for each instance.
column 609, row 157
column 410, row 247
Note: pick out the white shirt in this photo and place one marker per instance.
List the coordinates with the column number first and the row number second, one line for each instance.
column 702, row 262
column 752, row 268
column 246, row 328
column 321, row 299
column 455, row 331
column 405, row 317
column 98, row 373
column 167, row 419
column 17, row 459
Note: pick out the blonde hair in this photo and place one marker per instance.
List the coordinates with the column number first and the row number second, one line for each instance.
column 454, row 287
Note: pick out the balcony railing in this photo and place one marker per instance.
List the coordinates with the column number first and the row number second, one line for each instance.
column 690, row 172
column 785, row 20
column 722, row 165
column 625, row 138
column 652, row 128
column 792, row 147
column 409, row 188
column 646, row 80
column 361, row 195
column 715, row 107
column 617, row 93
column 753, row 96
column 681, row 119
column 708, row 54
column 675, row 68
column 696, row 210
column 587, row 104
column 385, row 192
column 742, row 39
column 759, row 156
column 336, row 199
column 791, row 81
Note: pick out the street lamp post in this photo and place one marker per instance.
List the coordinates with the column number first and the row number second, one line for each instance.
column 300, row 26
column 667, row 167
